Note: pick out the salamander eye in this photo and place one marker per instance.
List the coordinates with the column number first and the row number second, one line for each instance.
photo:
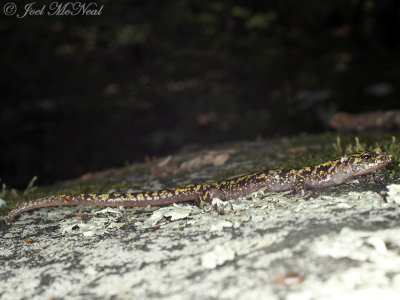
column 366, row 156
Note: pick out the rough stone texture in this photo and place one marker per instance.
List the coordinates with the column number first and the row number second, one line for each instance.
column 338, row 243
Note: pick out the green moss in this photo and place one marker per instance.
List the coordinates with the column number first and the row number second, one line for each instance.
column 325, row 140
column 226, row 174
column 393, row 149
column 319, row 148
column 13, row 196
column 135, row 169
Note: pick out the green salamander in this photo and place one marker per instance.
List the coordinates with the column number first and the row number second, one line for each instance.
column 324, row 175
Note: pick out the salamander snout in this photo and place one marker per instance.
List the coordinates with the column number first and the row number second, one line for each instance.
column 366, row 162
column 382, row 158
column 388, row 158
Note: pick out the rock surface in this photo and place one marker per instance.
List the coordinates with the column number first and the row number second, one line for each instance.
column 341, row 242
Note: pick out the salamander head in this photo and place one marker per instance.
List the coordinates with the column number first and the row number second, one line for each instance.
column 362, row 163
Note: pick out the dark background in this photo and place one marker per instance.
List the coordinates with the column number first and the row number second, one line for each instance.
column 83, row 93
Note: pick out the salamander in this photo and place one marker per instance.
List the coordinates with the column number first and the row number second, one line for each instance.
column 328, row 174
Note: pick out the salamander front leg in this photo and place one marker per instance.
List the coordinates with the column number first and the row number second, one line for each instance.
column 300, row 187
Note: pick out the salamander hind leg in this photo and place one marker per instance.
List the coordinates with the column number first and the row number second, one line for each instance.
column 209, row 193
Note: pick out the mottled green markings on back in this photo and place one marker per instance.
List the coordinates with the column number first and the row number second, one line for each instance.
column 323, row 175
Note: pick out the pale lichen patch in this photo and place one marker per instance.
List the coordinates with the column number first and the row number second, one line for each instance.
column 108, row 210
column 220, row 225
column 217, row 256
column 227, row 252
column 97, row 224
column 367, row 278
column 393, row 193
column 174, row 212
column 221, row 207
